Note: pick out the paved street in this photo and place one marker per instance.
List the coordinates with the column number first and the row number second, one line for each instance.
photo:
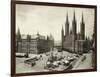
column 22, row 67
column 86, row 64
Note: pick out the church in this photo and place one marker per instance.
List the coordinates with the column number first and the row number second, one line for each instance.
column 71, row 40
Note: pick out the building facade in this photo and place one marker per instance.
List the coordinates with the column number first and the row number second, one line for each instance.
column 34, row 44
column 71, row 40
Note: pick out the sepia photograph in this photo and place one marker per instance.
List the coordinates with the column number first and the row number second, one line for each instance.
column 53, row 38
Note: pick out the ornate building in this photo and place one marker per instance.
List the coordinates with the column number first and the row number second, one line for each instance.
column 71, row 40
column 33, row 43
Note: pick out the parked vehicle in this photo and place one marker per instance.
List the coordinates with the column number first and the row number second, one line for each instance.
column 33, row 63
column 59, row 62
column 76, row 55
column 55, row 64
column 66, row 62
column 70, row 58
column 48, row 64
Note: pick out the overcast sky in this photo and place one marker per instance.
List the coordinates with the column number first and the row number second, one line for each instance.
column 50, row 19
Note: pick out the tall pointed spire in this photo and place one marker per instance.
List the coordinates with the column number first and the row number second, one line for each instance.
column 74, row 25
column 74, row 18
column 82, row 28
column 18, row 32
column 74, row 15
column 62, row 29
column 62, row 36
column 82, row 18
column 67, row 18
column 74, row 30
column 67, row 26
column 18, row 35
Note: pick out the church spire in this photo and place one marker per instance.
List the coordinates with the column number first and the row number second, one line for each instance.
column 67, row 26
column 82, row 18
column 74, row 25
column 62, row 36
column 67, row 19
column 18, row 32
column 82, row 28
column 74, row 18
column 62, row 29
column 18, row 35
column 74, row 15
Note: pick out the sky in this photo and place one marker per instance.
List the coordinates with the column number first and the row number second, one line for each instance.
column 46, row 20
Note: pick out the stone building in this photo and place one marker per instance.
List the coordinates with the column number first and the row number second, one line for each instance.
column 71, row 40
column 33, row 43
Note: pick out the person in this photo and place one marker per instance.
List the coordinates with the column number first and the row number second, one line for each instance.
column 41, row 57
column 26, row 55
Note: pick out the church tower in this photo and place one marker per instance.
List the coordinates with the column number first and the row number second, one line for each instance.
column 74, row 26
column 74, row 32
column 82, row 28
column 62, row 36
column 18, row 41
column 67, row 26
column 18, row 36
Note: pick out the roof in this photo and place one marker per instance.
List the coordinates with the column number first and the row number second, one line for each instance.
column 23, row 36
column 34, row 36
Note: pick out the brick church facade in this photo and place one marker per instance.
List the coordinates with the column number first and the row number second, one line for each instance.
column 71, row 40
